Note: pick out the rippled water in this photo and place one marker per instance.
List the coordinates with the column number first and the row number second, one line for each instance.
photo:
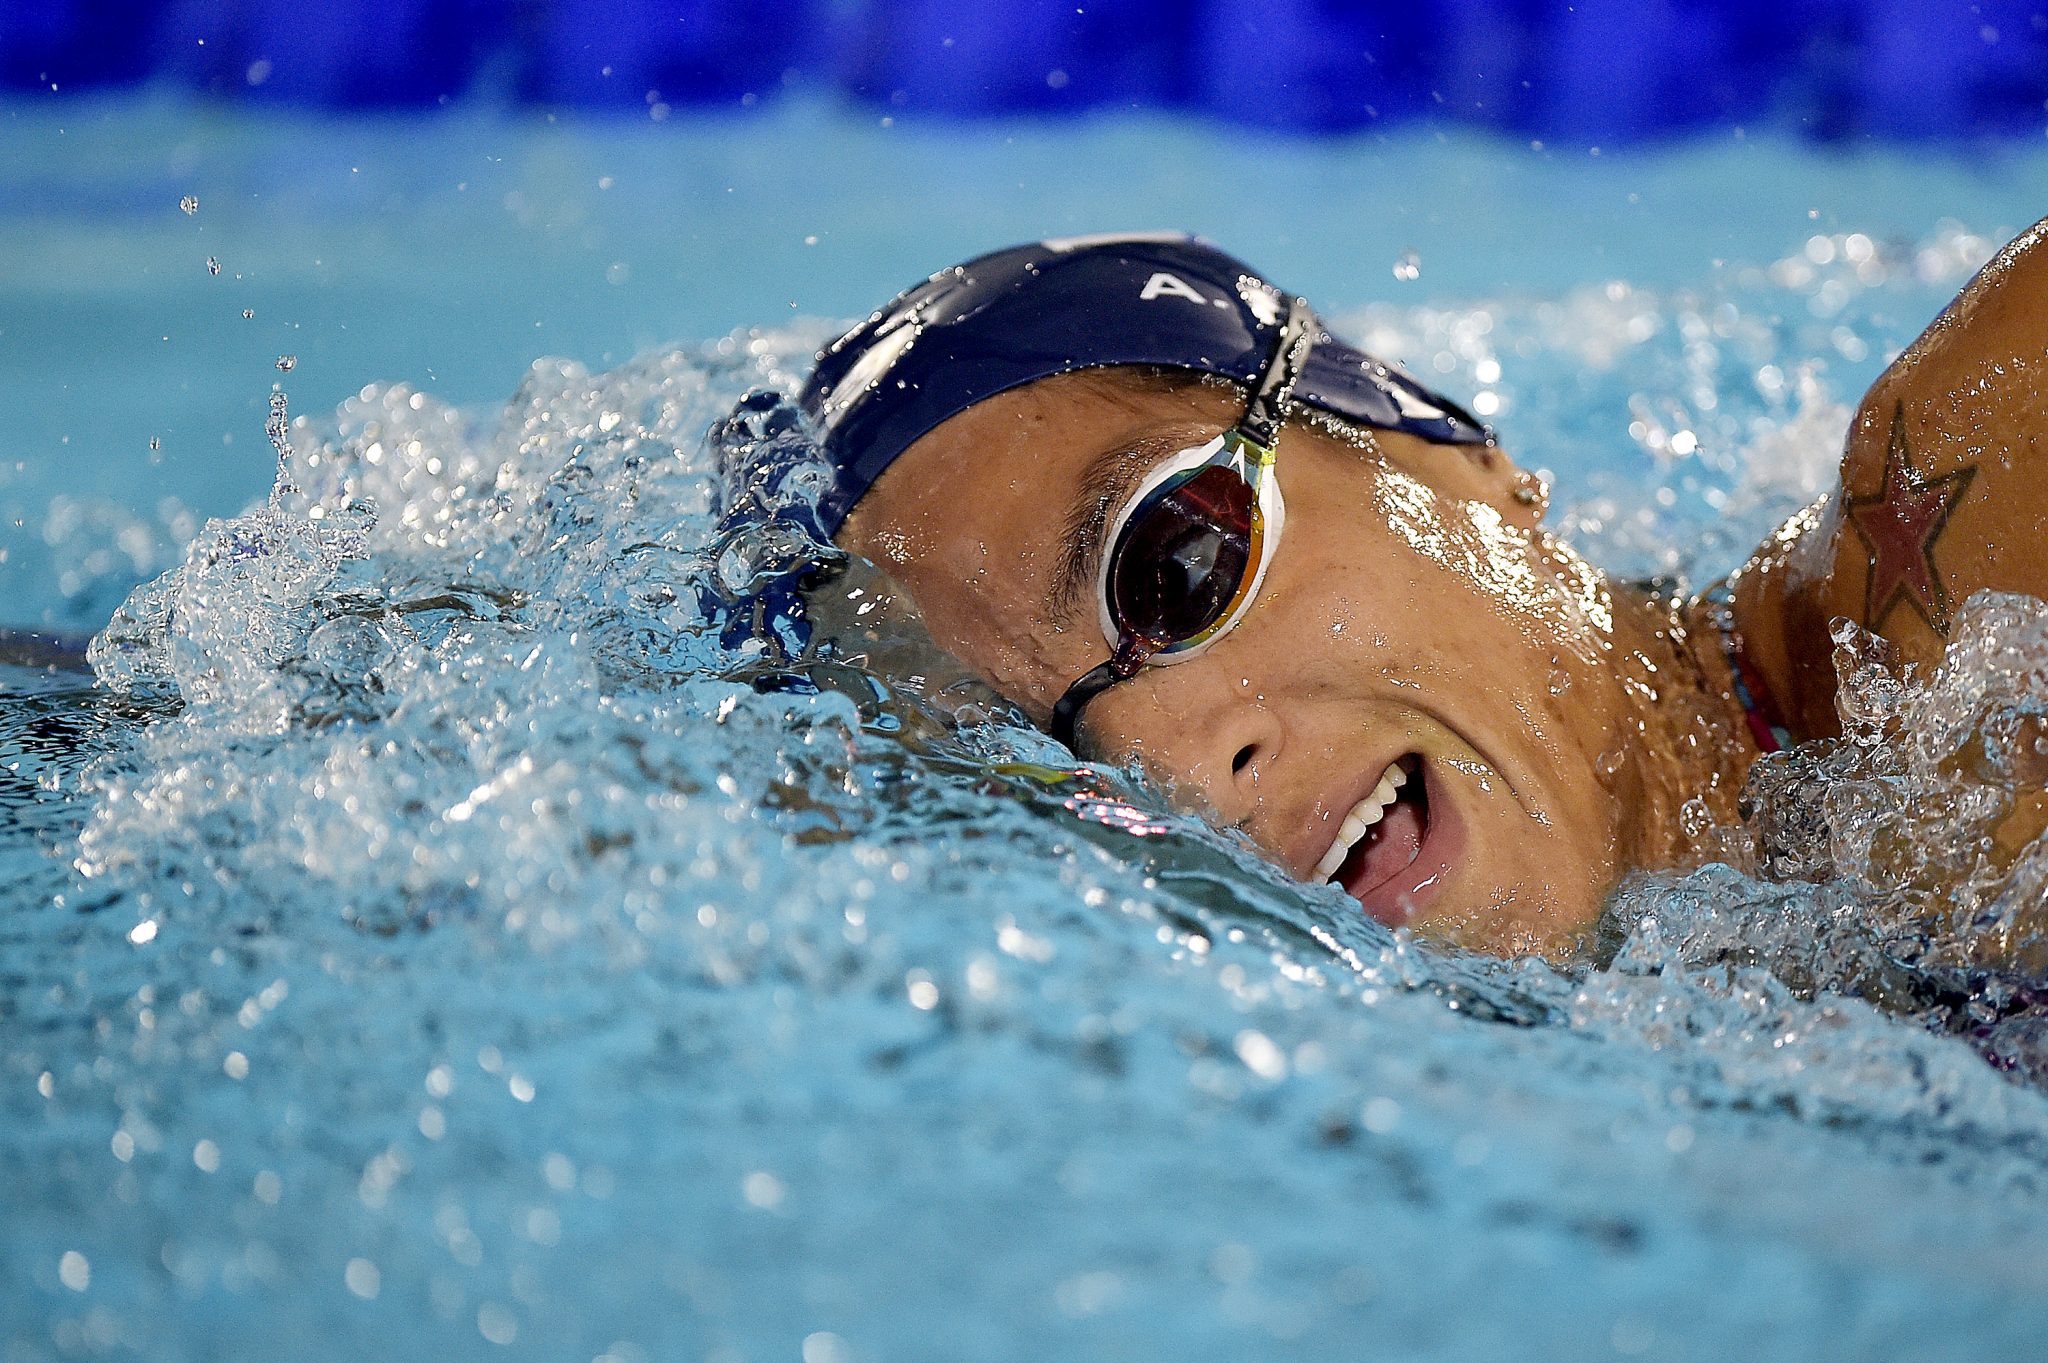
column 475, row 904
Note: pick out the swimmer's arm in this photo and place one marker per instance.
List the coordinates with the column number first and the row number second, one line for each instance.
column 1944, row 492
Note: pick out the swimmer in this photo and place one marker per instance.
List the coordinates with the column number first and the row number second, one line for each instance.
column 1150, row 499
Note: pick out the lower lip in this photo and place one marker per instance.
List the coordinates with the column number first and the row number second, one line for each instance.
column 1410, row 892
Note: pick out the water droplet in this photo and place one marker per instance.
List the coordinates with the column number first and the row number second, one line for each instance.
column 824, row 1347
column 1694, row 818
column 363, row 1278
column 278, row 428
column 74, row 1270
column 762, row 1189
column 190, row 203
column 1560, row 681
column 496, row 1323
column 287, row 363
column 1407, row 266
column 1608, row 763
column 212, row 266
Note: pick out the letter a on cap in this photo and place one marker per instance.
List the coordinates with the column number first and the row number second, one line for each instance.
column 1163, row 283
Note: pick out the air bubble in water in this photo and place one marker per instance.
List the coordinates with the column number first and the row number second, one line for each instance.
column 247, row 313
column 212, row 266
column 190, row 203
column 1407, row 266
column 155, row 443
column 286, row 363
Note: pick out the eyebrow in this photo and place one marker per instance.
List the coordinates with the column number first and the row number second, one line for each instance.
column 1105, row 482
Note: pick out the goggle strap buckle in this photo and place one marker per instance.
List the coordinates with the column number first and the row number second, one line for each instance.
column 1266, row 411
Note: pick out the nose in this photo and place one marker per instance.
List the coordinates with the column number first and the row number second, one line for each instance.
column 1206, row 732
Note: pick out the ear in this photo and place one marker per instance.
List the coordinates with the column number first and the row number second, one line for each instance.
column 1473, row 473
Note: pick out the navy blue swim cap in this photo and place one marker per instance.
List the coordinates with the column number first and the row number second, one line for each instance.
column 1029, row 312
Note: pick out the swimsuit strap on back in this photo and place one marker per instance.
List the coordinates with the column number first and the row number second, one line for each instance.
column 1759, row 710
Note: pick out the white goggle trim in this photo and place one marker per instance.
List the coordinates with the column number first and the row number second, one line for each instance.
column 1272, row 507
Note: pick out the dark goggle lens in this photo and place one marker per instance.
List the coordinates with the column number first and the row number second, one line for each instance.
column 1181, row 556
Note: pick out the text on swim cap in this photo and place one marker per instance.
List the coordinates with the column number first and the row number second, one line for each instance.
column 1164, row 285
column 1257, row 296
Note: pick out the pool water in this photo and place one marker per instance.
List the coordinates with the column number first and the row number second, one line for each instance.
column 471, row 907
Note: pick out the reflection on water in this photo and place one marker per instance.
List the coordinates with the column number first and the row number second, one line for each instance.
column 494, row 892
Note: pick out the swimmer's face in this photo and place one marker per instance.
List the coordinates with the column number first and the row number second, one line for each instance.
column 1414, row 626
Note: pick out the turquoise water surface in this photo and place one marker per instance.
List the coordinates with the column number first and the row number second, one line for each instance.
column 460, row 914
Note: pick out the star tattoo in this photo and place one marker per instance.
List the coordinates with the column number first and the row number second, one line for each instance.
column 1899, row 524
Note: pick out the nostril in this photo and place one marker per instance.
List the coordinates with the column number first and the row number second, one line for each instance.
column 1242, row 760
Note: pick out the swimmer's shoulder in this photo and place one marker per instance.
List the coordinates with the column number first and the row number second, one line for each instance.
column 1943, row 492
column 1972, row 391
column 2000, row 319
column 1945, row 477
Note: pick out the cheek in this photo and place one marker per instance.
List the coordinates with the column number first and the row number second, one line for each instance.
column 1366, row 599
column 1417, row 628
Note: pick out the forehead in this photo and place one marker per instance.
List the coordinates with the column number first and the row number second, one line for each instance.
column 973, row 518
column 1009, row 465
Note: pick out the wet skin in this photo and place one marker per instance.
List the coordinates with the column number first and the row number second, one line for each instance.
column 1415, row 609
column 1944, row 492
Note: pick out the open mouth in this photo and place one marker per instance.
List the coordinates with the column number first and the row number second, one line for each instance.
column 1388, row 854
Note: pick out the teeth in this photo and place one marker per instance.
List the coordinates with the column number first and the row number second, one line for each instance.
column 1361, row 818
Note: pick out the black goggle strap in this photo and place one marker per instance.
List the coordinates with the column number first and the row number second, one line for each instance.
column 1266, row 411
column 1066, row 713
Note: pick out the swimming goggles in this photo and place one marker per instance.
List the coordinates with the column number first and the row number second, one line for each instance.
column 1190, row 547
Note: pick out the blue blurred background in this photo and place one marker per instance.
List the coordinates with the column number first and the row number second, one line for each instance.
column 1615, row 69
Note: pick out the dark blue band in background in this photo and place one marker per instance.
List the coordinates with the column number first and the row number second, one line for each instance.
column 1589, row 69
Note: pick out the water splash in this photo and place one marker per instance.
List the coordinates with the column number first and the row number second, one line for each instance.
column 1903, row 863
column 520, row 844
column 1686, row 422
column 469, row 666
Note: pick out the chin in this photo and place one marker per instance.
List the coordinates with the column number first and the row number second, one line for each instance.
column 1524, row 917
column 1423, row 851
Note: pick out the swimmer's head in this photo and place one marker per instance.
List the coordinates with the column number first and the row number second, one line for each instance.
column 1009, row 318
column 1147, row 497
